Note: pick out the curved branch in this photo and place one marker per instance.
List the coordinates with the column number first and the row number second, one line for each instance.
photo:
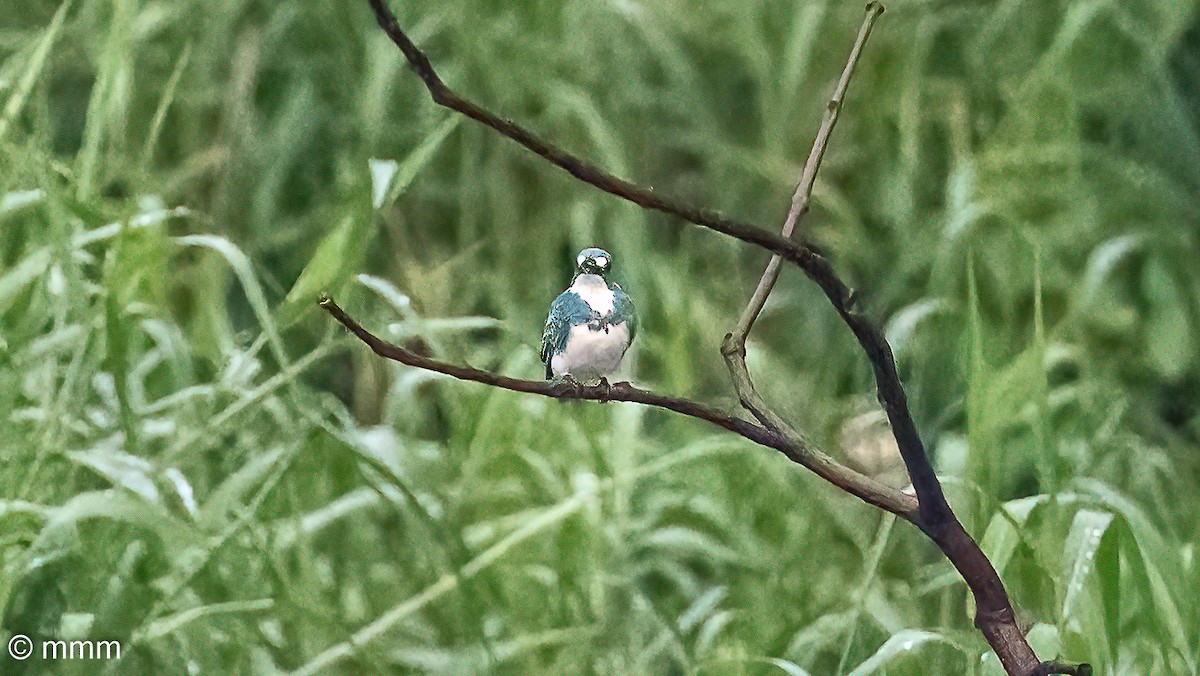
column 793, row 446
column 821, row 464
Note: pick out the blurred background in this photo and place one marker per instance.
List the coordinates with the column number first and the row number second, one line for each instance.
column 196, row 461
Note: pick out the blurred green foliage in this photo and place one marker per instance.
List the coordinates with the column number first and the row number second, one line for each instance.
column 196, row 462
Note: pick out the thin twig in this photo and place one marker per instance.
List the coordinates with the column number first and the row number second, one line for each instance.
column 734, row 346
column 808, row 176
column 793, row 446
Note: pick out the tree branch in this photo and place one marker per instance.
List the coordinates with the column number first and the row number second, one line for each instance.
column 793, row 446
column 930, row 511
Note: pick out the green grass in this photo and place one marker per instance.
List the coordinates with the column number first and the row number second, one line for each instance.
column 194, row 460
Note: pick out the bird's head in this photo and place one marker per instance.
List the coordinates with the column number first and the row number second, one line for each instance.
column 593, row 261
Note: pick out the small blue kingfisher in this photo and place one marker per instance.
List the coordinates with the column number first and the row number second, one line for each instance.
column 591, row 324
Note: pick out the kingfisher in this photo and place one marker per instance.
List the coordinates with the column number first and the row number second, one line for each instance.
column 591, row 324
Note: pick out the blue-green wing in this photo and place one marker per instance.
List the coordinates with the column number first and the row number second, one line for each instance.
column 566, row 311
column 623, row 310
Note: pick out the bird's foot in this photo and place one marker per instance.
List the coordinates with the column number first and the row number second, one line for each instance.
column 606, row 389
column 566, row 387
column 575, row 385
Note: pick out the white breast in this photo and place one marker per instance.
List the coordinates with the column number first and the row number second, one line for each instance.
column 590, row 354
column 595, row 292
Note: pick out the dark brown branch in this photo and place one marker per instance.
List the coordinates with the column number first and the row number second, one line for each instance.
column 794, row 447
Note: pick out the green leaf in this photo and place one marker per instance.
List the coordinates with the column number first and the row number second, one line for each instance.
column 167, row 625
column 789, row 668
column 33, row 68
column 342, row 251
column 1003, row 534
column 335, row 259
column 232, row 493
column 244, row 270
column 390, row 179
column 1079, row 558
column 1168, row 331
column 122, row 469
column 1161, row 571
column 382, row 174
column 899, row 644
column 118, row 506
column 22, row 275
